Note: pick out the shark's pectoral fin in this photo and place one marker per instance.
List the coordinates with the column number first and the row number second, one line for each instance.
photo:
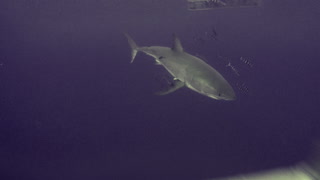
column 175, row 85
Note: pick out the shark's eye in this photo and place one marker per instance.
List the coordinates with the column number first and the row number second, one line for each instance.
column 161, row 57
column 219, row 94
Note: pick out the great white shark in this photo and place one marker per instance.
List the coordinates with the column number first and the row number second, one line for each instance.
column 187, row 70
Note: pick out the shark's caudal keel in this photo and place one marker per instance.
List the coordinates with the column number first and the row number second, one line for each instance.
column 187, row 70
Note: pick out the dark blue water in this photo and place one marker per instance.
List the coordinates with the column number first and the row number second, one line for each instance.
column 73, row 107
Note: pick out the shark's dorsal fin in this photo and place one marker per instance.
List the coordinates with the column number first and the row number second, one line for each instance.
column 176, row 44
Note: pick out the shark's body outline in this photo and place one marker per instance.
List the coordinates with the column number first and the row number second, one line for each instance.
column 187, row 70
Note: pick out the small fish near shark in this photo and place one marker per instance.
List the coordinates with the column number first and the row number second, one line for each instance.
column 187, row 70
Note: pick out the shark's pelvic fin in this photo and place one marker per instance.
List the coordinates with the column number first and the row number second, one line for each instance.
column 177, row 44
column 175, row 85
column 157, row 62
column 134, row 47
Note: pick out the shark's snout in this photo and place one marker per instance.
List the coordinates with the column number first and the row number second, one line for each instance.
column 228, row 95
column 229, row 98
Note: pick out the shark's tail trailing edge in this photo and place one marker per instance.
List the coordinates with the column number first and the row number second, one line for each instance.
column 134, row 47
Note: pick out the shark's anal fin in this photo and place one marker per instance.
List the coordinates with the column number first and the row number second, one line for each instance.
column 175, row 85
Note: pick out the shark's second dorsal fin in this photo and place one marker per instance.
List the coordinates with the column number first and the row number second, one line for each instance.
column 176, row 44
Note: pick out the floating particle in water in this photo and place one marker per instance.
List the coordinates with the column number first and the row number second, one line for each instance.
column 246, row 61
column 212, row 34
column 233, row 68
column 242, row 87
column 223, row 58
column 206, row 36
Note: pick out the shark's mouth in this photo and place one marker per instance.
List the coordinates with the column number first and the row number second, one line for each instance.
column 215, row 95
column 203, row 92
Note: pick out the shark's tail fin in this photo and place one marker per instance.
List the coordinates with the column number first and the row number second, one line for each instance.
column 134, row 47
